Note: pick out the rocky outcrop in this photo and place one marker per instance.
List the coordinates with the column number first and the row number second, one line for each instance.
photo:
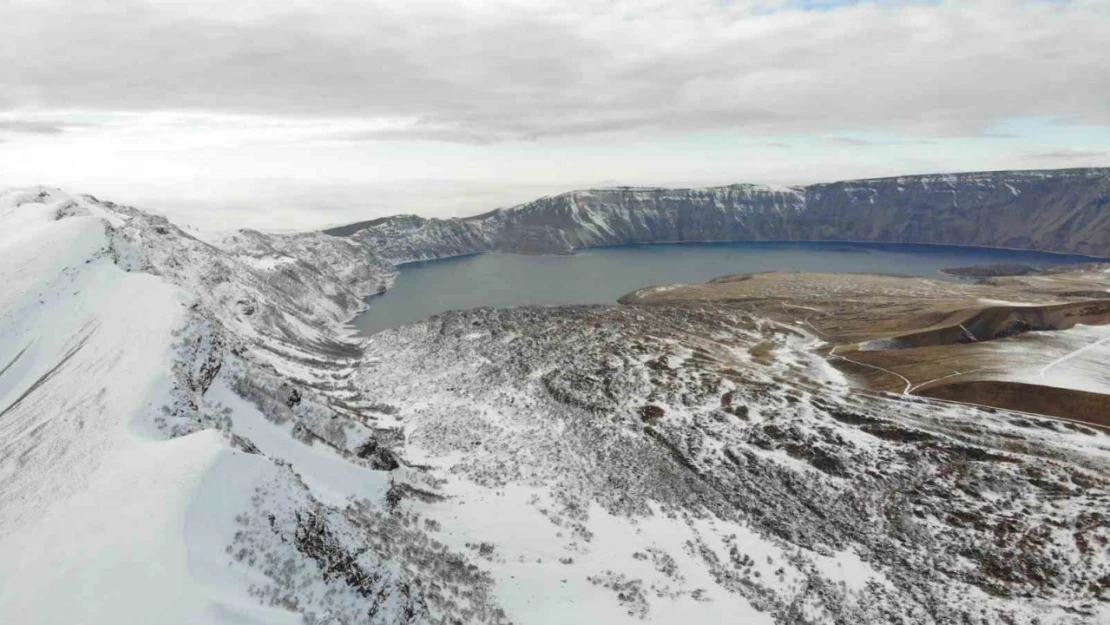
column 1058, row 211
column 408, row 238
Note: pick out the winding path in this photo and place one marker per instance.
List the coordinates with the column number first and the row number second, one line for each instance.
column 1070, row 355
column 905, row 391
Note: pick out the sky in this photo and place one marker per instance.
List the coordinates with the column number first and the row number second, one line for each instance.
column 291, row 114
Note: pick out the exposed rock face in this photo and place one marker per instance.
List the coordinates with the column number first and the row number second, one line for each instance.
column 408, row 238
column 1060, row 211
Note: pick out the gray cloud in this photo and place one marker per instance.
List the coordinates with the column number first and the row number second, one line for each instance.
column 417, row 132
column 861, row 143
column 1070, row 155
column 33, row 127
column 850, row 142
column 480, row 74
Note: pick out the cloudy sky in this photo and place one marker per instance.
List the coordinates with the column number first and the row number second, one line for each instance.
column 296, row 113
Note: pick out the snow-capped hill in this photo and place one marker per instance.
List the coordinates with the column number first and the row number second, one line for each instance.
column 1060, row 210
column 120, row 337
column 633, row 215
column 578, row 219
column 408, row 238
column 87, row 351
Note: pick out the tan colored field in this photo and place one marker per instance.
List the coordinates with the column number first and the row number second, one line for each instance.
column 1032, row 343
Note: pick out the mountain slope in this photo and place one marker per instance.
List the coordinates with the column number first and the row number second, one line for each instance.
column 189, row 434
column 1059, row 211
column 86, row 348
column 120, row 477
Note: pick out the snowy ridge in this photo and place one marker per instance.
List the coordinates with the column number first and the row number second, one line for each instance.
column 119, row 332
column 188, row 435
column 579, row 219
column 1059, row 210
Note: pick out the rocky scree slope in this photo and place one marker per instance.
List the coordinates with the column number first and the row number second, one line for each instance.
column 744, row 470
column 1058, row 211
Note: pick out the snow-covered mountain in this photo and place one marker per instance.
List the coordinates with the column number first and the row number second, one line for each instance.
column 1061, row 210
column 189, row 434
column 117, row 464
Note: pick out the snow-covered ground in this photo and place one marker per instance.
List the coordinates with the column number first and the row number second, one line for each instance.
column 1083, row 367
column 186, row 436
column 1075, row 358
column 104, row 516
column 88, row 496
column 763, row 474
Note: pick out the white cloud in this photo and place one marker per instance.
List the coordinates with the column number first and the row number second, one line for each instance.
column 482, row 71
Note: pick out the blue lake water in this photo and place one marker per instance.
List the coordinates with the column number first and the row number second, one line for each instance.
column 601, row 275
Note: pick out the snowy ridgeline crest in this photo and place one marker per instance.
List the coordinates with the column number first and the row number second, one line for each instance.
column 564, row 464
column 1061, row 211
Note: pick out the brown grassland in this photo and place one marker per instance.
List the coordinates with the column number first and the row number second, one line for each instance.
column 970, row 342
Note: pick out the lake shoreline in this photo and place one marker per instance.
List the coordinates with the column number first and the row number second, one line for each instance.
column 601, row 275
